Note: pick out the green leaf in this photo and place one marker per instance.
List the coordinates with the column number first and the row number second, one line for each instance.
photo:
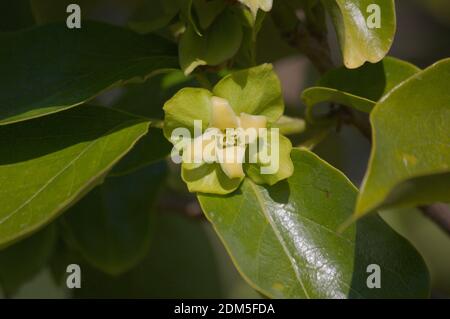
column 55, row 160
column 253, row 91
column 51, row 68
column 149, row 149
column 360, row 88
column 111, row 226
column 49, row 11
column 410, row 159
column 200, row 14
column 21, row 262
column 361, row 42
column 207, row 11
column 15, row 15
column 187, row 106
column 180, row 264
column 285, row 243
column 218, row 44
column 246, row 57
column 145, row 15
column 316, row 134
column 147, row 99
column 152, row 15
column 429, row 239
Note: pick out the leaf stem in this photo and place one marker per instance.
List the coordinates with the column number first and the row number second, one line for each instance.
column 157, row 124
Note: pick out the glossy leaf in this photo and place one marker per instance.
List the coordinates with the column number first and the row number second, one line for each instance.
column 360, row 88
column 360, row 39
column 111, row 226
column 215, row 46
column 285, row 243
column 51, row 68
column 22, row 261
column 410, row 159
column 48, row 163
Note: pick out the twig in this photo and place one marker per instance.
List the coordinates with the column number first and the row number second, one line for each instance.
column 308, row 36
column 316, row 49
column 358, row 120
column 439, row 214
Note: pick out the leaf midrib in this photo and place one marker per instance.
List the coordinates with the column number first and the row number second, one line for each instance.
column 86, row 149
column 260, row 201
column 278, row 235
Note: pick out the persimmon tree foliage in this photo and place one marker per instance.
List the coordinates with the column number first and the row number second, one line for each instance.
column 79, row 182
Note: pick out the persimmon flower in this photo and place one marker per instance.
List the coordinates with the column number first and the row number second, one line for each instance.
column 226, row 139
column 225, row 136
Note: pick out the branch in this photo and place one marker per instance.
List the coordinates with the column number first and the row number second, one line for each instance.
column 359, row 120
column 315, row 48
column 309, row 37
column 439, row 214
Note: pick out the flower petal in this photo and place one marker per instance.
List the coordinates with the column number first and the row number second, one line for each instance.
column 231, row 161
column 201, row 149
column 187, row 106
column 281, row 163
column 252, row 121
column 208, row 178
column 255, row 91
column 222, row 115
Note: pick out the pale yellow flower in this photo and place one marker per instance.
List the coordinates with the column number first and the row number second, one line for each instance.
column 214, row 143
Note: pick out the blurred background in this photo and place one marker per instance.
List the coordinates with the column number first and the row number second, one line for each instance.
column 183, row 257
